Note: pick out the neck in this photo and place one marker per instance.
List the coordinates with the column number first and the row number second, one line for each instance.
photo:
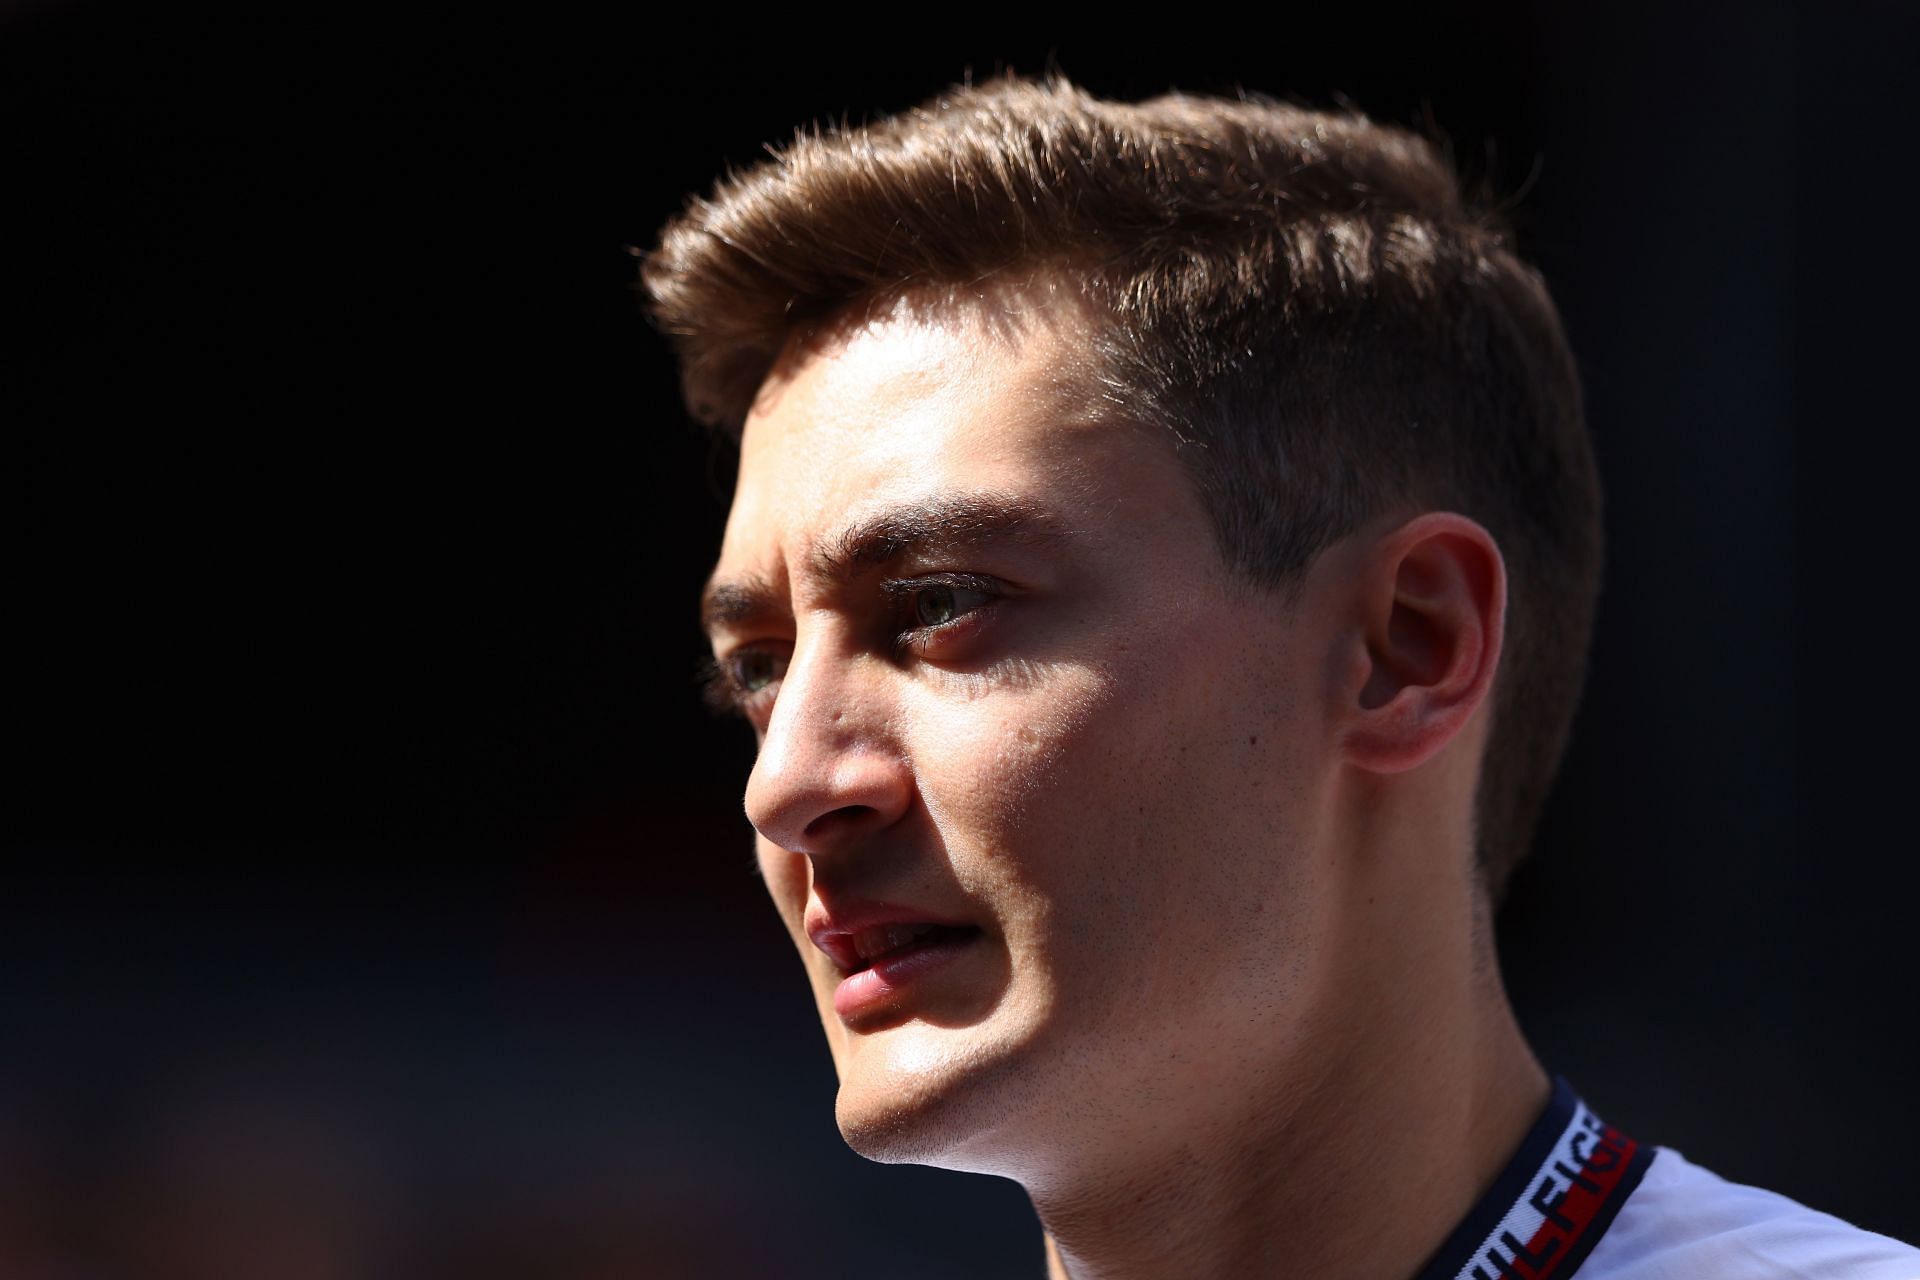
column 1357, row 1165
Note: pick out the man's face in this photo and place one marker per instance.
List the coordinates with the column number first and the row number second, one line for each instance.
column 1038, row 784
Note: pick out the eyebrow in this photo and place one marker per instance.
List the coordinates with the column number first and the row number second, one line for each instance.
column 725, row 604
column 886, row 537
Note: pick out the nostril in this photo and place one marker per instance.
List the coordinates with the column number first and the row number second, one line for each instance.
column 845, row 816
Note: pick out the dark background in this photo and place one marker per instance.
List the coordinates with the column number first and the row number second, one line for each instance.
column 381, row 903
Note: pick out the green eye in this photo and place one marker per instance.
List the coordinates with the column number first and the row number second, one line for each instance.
column 755, row 669
column 923, row 608
column 933, row 605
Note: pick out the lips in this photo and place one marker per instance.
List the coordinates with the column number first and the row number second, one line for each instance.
column 882, row 950
column 856, row 949
column 872, row 945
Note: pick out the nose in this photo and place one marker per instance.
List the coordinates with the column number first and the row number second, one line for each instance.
column 830, row 770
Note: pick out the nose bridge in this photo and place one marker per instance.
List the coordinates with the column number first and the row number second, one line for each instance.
column 829, row 767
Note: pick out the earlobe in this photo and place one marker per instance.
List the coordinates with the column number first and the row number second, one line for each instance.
column 1429, row 614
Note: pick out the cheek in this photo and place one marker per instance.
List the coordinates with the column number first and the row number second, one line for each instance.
column 1055, row 805
column 986, row 765
column 1129, row 796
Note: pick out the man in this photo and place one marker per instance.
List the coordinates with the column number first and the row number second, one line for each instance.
column 1160, row 576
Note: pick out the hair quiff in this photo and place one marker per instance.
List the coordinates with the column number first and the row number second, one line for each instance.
column 1328, row 329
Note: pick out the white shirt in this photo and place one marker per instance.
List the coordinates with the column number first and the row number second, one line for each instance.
column 1685, row 1223
column 1580, row 1196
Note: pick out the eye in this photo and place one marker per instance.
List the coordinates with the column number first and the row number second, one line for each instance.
column 930, row 608
column 936, row 604
column 754, row 669
column 738, row 682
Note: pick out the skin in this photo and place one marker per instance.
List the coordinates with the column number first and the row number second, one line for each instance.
column 1233, row 996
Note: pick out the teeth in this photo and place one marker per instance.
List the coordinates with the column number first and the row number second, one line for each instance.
column 869, row 943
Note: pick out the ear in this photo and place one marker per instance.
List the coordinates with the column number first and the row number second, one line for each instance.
column 1428, row 613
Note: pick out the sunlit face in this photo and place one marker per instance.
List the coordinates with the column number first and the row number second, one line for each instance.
column 1037, row 786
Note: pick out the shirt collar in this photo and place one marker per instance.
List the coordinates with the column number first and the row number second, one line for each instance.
column 1551, row 1204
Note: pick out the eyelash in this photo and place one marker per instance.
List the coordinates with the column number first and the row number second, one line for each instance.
column 726, row 691
column 904, row 592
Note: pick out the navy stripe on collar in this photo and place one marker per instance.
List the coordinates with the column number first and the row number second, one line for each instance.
column 1553, row 1201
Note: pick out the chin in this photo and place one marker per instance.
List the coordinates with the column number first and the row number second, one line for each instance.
column 918, row 1094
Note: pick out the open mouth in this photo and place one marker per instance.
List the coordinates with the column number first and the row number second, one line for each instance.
column 882, row 966
column 895, row 941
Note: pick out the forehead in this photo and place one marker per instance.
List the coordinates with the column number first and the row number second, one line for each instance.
column 915, row 407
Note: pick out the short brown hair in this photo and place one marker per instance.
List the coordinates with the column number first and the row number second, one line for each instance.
column 1306, row 300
